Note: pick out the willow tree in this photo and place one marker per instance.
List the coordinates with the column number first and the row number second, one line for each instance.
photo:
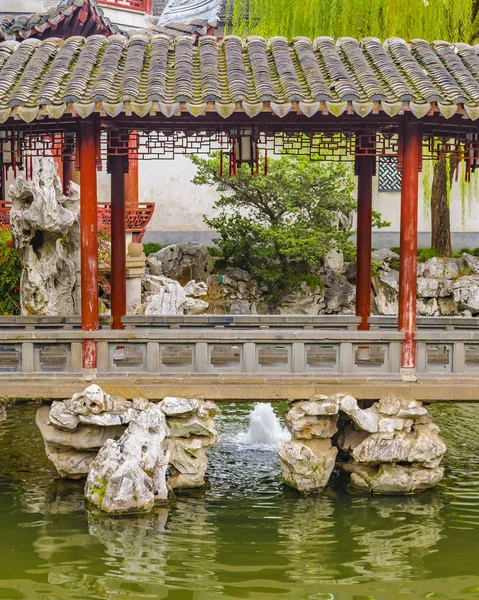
column 450, row 20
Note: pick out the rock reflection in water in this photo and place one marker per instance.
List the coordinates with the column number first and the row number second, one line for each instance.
column 308, row 539
column 392, row 539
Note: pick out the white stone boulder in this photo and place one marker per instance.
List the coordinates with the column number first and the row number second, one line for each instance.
column 192, row 426
column 422, row 445
column 85, row 437
column 304, row 469
column 448, row 268
column 309, row 427
column 184, row 262
column 465, row 292
column 392, row 478
column 472, row 262
column 175, row 407
column 129, row 475
column 195, row 306
column 91, row 400
column 70, row 463
column 195, row 289
column 73, row 450
column 384, row 255
column 163, row 296
column 188, row 461
column 319, row 405
column 386, row 288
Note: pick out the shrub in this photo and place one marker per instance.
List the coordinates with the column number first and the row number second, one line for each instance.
column 426, row 253
column 280, row 226
column 9, row 274
column 152, row 247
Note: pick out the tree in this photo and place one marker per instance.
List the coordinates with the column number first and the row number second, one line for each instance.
column 278, row 227
column 450, row 20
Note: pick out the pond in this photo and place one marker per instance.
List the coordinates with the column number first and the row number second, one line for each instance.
column 245, row 536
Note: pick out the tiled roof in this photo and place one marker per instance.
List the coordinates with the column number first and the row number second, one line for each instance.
column 148, row 75
column 69, row 17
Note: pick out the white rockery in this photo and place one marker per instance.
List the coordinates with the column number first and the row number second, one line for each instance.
column 95, row 432
column 391, row 447
column 46, row 231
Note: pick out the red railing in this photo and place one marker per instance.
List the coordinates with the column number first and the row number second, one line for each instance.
column 5, row 212
column 137, row 215
column 139, row 5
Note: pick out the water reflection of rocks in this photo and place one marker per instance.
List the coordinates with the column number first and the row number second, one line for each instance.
column 392, row 538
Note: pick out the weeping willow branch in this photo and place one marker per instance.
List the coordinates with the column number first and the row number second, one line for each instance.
column 451, row 20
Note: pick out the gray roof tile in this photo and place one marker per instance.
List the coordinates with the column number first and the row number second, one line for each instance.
column 158, row 74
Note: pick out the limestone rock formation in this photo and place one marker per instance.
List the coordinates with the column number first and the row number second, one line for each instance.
column 393, row 447
column 422, row 445
column 164, row 296
column 182, row 262
column 73, row 450
column 45, row 228
column 465, row 292
column 192, row 433
column 393, row 479
column 386, row 288
column 307, row 461
column 129, row 475
column 303, row 468
column 74, row 430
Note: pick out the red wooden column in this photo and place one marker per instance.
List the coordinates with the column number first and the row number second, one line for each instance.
column 117, row 168
column 411, row 145
column 132, row 175
column 365, row 171
column 88, row 238
column 68, row 174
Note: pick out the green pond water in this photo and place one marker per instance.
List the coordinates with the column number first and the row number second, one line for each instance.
column 245, row 536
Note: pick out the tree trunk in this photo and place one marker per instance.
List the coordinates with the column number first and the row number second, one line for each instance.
column 440, row 217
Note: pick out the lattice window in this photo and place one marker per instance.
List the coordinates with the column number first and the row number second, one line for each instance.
column 388, row 175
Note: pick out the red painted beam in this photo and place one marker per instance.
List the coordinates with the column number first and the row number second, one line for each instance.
column 411, row 133
column 365, row 170
column 88, row 238
column 118, row 240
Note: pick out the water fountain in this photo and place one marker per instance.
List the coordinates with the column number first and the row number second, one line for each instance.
column 264, row 431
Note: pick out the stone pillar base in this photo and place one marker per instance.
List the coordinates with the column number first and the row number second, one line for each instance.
column 408, row 374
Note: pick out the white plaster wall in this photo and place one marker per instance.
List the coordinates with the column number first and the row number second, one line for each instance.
column 464, row 215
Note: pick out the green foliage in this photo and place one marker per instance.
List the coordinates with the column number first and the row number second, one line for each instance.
column 313, row 281
column 152, row 247
column 214, row 251
column 394, row 264
column 396, row 249
column 9, row 274
column 426, row 253
column 450, row 20
column 279, row 227
column 375, row 267
column 471, row 251
column 378, row 221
